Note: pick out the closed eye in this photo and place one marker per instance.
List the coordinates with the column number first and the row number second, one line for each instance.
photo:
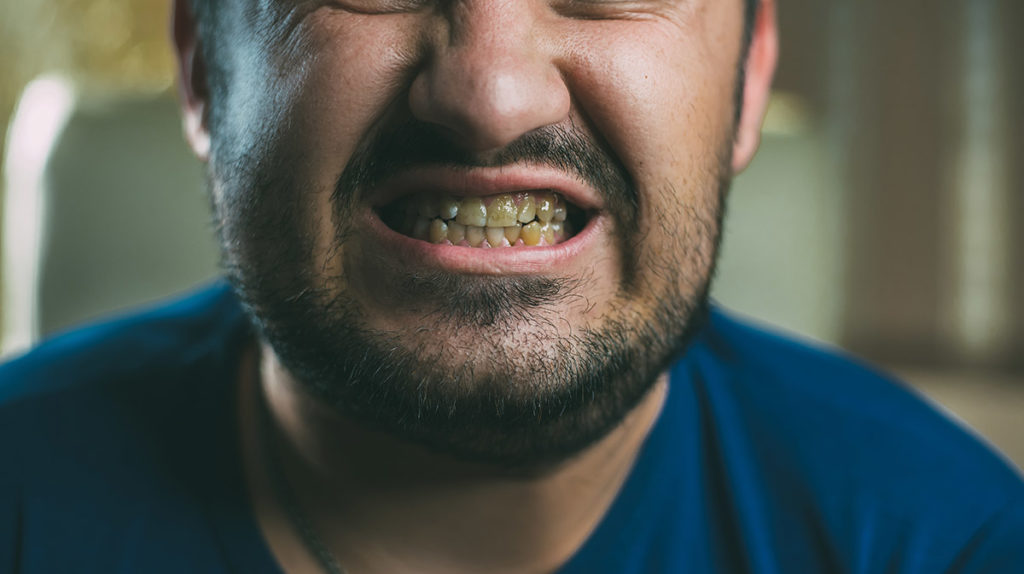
column 379, row 6
column 608, row 9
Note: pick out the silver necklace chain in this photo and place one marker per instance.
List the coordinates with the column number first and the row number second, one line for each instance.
column 286, row 497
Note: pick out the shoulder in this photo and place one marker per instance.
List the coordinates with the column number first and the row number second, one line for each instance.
column 111, row 379
column 127, row 346
column 865, row 454
column 118, row 376
column 119, row 383
column 111, row 430
column 822, row 395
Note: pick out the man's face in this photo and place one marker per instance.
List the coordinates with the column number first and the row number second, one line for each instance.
column 354, row 143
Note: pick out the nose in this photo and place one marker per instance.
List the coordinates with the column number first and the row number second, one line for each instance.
column 491, row 76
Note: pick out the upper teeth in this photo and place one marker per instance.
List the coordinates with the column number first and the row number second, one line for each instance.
column 531, row 218
column 498, row 211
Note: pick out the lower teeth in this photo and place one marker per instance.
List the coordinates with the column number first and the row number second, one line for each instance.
column 533, row 234
column 527, row 219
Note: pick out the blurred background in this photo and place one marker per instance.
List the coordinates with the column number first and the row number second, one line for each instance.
column 882, row 215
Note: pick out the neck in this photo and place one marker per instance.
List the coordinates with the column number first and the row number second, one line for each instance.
column 383, row 505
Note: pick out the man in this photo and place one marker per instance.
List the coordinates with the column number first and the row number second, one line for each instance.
column 471, row 242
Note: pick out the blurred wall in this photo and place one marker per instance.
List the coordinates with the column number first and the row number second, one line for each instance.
column 913, row 108
column 122, row 237
column 934, row 267
column 105, row 46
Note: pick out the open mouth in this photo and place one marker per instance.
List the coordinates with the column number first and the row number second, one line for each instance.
column 521, row 219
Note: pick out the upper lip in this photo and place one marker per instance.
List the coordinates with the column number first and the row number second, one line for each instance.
column 478, row 182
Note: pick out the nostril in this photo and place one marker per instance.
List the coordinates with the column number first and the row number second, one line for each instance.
column 489, row 98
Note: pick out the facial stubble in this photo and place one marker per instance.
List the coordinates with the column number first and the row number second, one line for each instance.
column 512, row 389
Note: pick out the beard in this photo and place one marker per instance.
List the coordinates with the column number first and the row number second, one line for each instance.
column 483, row 372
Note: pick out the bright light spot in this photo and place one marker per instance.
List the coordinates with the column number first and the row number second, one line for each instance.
column 983, row 187
column 38, row 121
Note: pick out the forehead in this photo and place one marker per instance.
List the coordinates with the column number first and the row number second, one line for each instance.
column 258, row 13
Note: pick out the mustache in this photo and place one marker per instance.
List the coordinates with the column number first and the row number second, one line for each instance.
column 413, row 144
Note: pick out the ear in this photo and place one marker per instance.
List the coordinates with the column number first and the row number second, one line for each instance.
column 762, row 56
column 193, row 88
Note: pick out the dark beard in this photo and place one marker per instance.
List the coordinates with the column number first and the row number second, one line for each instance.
column 536, row 406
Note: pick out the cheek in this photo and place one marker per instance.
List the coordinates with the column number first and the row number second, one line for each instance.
column 665, row 107
column 315, row 103
column 664, row 103
column 341, row 76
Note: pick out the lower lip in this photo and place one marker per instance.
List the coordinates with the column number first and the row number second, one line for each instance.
column 482, row 260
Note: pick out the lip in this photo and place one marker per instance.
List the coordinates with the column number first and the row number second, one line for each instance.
column 413, row 253
column 478, row 182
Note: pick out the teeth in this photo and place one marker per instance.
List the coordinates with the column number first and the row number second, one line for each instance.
column 474, row 235
column 536, row 218
column 438, row 231
column 449, row 208
column 472, row 211
column 547, row 234
column 527, row 209
column 545, row 208
column 502, row 211
column 495, row 236
column 530, row 233
column 456, row 232
column 512, row 233
column 560, row 213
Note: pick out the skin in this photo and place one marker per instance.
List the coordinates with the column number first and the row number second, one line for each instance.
column 653, row 80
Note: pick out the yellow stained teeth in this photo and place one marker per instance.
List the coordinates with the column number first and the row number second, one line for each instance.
column 456, row 232
column 535, row 218
column 548, row 234
column 495, row 236
column 560, row 213
column 474, row 235
column 527, row 209
column 545, row 207
column 512, row 233
column 530, row 233
column 449, row 208
column 438, row 231
column 472, row 211
column 502, row 211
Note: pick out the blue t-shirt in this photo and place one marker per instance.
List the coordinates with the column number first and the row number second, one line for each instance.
column 118, row 453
